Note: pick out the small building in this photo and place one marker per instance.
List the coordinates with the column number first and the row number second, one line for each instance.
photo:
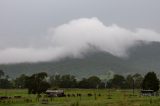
column 55, row 93
column 148, row 93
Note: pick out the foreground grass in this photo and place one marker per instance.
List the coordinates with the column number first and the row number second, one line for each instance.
column 100, row 97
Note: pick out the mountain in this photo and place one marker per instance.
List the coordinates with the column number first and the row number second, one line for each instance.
column 142, row 58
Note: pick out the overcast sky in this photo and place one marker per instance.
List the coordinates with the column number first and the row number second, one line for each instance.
column 27, row 23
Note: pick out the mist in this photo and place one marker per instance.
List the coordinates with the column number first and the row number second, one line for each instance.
column 76, row 38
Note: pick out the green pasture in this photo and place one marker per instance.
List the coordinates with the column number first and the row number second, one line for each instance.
column 101, row 97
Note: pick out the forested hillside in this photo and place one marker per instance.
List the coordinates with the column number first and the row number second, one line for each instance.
column 142, row 58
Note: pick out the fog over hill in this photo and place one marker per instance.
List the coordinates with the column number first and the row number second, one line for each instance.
column 141, row 59
column 76, row 38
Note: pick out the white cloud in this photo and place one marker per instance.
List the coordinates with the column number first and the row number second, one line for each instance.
column 73, row 39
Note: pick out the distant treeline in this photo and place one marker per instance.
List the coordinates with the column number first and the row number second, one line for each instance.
column 39, row 82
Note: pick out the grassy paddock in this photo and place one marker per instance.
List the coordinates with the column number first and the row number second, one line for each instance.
column 101, row 97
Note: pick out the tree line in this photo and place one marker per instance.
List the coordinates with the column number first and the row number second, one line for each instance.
column 40, row 82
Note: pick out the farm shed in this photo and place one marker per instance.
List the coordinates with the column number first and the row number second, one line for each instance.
column 55, row 93
column 148, row 93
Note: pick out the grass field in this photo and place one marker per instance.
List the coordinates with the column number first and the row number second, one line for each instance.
column 100, row 97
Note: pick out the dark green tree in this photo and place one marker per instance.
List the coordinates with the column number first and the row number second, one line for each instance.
column 83, row 83
column 55, row 81
column 64, row 81
column 129, row 81
column 94, row 82
column 68, row 81
column 5, row 83
column 91, row 82
column 137, row 80
column 118, row 81
column 20, row 81
column 37, row 84
column 150, row 82
column 1, row 74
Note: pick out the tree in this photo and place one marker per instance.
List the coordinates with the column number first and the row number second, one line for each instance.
column 65, row 81
column 118, row 81
column 106, row 78
column 68, row 81
column 83, row 83
column 91, row 82
column 20, row 81
column 137, row 80
column 129, row 81
column 1, row 74
column 94, row 82
column 5, row 83
column 36, row 83
column 55, row 81
column 150, row 82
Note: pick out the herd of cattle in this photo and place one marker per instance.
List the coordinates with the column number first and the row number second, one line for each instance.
column 14, row 99
column 78, row 94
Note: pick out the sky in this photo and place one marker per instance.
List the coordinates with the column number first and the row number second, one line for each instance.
column 43, row 30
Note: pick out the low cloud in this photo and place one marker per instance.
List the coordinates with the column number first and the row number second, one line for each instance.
column 78, row 37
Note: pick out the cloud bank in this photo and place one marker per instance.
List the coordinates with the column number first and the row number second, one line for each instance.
column 76, row 38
